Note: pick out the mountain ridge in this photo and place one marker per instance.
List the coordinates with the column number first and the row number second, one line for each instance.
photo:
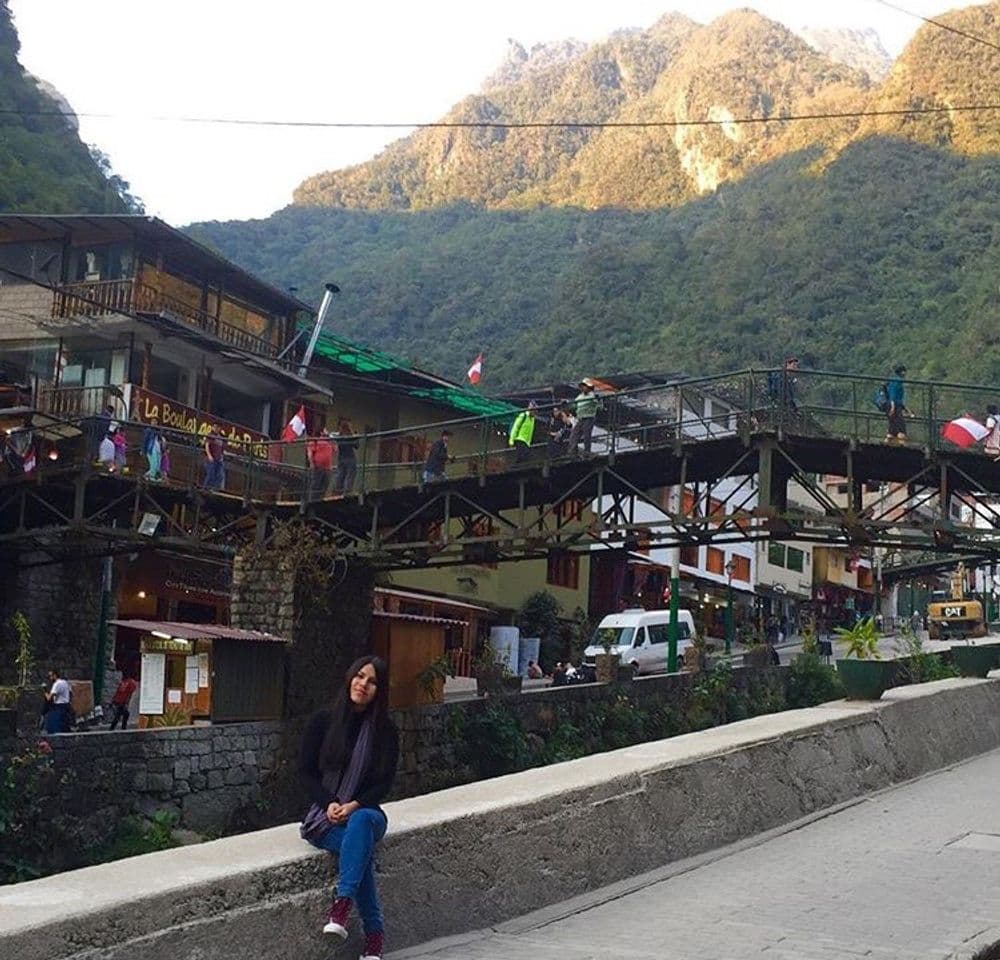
column 679, row 72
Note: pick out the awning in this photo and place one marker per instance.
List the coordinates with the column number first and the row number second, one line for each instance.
column 196, row 631
column 43, row 424
column 441, row 621
column 435, row 599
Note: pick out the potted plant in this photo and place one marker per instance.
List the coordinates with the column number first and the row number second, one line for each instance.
column 606, row 664
column 432, row 679
column 758, row 652
column 493, row 676
column 696, row 655
column 864, row 674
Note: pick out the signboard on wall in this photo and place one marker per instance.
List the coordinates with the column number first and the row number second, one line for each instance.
column 151, row 681
column 151, row 408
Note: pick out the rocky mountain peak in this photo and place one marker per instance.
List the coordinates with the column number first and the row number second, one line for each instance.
column 858, row 48
column 520, row 63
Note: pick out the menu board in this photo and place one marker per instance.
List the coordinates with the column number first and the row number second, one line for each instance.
column 151, row 681
column 191, row 674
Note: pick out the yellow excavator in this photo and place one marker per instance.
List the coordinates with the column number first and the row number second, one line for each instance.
column 955, row 616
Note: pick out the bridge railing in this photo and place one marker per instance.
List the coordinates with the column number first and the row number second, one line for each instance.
column 816, row 403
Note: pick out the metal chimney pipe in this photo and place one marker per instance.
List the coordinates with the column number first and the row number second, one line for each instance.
column 324, row 307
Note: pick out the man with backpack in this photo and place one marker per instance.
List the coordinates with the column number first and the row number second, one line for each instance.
column 895, row 406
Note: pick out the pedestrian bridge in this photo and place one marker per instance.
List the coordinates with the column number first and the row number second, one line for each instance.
column 470, row 857
column 705, row 435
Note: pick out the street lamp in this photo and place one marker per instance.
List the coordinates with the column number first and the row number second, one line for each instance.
column 730, row 570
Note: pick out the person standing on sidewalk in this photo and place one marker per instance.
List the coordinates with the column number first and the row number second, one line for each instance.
column 347, row 764
column 120, row 701
column 586, row 405
column 522, row 432
column 57, row 716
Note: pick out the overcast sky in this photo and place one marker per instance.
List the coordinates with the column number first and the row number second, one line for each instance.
column 367, row 60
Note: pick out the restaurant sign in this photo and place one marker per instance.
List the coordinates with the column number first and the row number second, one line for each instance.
column 151, row 408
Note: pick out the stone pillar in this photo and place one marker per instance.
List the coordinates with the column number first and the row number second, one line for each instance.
column 62, row 603
column 324, row 608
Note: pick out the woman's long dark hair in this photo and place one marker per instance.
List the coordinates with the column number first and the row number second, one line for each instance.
column 333, row 753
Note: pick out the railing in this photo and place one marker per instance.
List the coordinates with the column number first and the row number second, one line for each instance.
column 821, row 404
column 77, row 401
column 102, row 297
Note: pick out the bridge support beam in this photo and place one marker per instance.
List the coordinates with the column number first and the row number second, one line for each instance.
column 774, row 474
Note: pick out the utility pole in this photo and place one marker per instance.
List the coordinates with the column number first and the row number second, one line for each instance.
column 673, row 630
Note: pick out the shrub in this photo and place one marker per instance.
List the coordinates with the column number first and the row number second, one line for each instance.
column 810, row 681
column 493, row 743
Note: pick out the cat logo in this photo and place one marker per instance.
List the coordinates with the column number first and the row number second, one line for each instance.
column 953, row 612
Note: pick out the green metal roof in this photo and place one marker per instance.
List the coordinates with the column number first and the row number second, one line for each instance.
column 466, row 400
column 363, row 360
column 356, row 357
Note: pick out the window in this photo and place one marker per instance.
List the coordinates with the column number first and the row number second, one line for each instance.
column 742, row 571
column 776, row 554
column 689, row 556
column 795, row 559
column 480, row 553
column 715, row 560
column 570, row 510
column 660, row 632
column 864, row 578
column 563, row 570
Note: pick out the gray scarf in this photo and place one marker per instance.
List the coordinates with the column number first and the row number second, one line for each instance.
column 342, row 783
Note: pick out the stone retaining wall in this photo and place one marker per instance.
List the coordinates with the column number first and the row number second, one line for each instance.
column 499, row 848
column 206, row 774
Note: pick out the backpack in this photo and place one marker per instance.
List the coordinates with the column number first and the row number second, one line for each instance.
column 881, row 398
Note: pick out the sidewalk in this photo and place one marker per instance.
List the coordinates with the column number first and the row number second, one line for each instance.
column 912, row 873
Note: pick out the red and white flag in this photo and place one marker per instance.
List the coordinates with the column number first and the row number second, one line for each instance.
column 475, row 373
column 295, row 427
column 964, row 431
column 29, row 460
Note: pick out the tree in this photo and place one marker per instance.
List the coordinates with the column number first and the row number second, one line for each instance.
column 539, row 617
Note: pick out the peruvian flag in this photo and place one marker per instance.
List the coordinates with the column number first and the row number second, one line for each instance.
column 295, row 427
column 964, row 431
column 29, row 460
column 475, row 373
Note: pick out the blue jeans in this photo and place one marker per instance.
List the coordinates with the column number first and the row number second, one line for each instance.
column 354, row 842
column 215, row 474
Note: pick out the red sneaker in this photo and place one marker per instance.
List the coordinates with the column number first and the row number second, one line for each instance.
column 336, row 919
column 374, row 945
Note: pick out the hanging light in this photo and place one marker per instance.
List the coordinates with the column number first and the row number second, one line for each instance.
column 53, row 453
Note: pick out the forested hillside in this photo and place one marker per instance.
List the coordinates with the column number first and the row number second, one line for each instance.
column 891, row 252
column 44, row 166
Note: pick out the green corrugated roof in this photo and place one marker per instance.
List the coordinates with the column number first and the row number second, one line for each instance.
column 356, row 357
column 364, row 360
column 466, row 400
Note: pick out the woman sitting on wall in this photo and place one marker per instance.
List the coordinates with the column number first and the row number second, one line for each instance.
column 347, row 765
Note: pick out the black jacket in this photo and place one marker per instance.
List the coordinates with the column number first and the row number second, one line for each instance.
column 377, row 782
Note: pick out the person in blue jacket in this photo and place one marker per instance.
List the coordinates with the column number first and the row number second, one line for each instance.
column 896, row 412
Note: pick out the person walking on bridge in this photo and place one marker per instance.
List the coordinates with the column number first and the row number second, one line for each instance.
column 347, row 764
column 896, row 411
column 437, row 459
column 586, row 405
column 522, row 432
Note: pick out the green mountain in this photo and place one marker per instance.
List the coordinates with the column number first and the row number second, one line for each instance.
column 855, row 243
column 44, row 166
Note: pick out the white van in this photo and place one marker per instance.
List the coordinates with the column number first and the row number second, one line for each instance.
column 640, row 637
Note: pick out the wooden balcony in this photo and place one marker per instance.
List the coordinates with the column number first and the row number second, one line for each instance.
column 98, row 298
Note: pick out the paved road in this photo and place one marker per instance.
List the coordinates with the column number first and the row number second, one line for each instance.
column 912, row 873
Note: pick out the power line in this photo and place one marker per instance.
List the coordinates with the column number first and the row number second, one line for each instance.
column 525, row 124
column 938, row 23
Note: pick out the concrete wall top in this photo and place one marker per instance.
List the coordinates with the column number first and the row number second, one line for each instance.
column 144, row 895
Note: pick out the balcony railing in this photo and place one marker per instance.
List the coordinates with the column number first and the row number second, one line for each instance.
column 98, row 298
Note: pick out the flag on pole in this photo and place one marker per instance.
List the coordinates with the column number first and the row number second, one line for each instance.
column 475, row 373
column 964, row 431
column 295, row 427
